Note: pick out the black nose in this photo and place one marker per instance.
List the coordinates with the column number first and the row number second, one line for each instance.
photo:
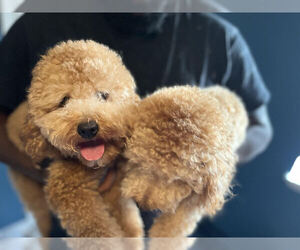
column 88, row 130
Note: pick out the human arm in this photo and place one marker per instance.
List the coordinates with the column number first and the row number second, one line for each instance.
column 259, row 135
column 14, row 79
column 243, row 77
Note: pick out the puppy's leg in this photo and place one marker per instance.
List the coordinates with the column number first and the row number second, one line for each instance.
column 33, row 197
column 132, row 225
column 177, row 226
column 72, row 193
column 131, row 219
column 127, row 214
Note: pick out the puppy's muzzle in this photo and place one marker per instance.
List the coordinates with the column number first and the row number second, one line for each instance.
column 88, row 130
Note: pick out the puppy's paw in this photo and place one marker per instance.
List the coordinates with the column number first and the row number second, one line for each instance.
column 133, row 244
column 131, row 220
column 178, row 243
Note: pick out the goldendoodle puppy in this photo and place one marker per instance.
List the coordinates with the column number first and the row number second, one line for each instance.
column 75, row 99
column 181, row 155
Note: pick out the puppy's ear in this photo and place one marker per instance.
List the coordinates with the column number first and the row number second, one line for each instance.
column 214, row 184
column 35, row 145
column 152, row 193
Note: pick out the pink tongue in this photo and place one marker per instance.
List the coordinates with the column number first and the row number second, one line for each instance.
column 93, row 152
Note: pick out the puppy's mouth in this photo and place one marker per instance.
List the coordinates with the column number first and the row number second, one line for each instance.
column 92, row 150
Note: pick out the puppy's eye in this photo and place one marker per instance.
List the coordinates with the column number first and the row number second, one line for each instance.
column 102, row 95
column 64, row 101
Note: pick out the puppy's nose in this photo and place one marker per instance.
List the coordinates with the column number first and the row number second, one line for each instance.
column 88, row 130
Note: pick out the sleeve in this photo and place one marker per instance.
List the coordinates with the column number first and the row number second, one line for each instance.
column 14, row 67
column 242, row 75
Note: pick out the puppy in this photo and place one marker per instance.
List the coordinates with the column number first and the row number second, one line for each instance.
column 76, row 95
column 181, row 156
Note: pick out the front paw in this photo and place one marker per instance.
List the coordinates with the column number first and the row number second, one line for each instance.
column 133, row 243
column 178, row 243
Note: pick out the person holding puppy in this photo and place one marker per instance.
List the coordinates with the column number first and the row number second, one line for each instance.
column 159, row 50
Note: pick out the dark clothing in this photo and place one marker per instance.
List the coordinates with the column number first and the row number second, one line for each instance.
column 159, row 50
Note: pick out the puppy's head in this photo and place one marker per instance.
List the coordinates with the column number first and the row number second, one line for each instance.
column 182, row 135
column 77, row 93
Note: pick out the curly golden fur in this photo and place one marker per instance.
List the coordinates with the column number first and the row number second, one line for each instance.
column 80, row 71
column 181, row 154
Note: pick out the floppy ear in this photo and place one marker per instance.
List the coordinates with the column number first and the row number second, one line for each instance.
column 35, row 145
column 215, row 182
column 152, row 193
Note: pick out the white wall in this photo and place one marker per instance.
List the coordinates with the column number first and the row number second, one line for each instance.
column 9, row 5
column 6, row 17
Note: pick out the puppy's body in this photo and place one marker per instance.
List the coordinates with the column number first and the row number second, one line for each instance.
column 181, row 155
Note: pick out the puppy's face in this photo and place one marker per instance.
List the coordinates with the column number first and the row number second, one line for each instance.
column 76, row 96
column 179, row 147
